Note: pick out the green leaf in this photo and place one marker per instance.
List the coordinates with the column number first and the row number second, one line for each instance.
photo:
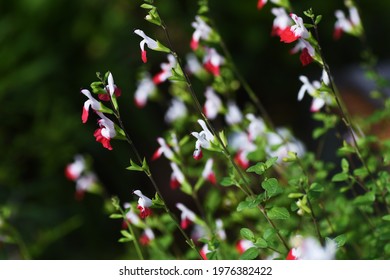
column 134, row 167
column 147, row 6
column 318, row 19
column 145, row 166
column 124, row 239
column 157, row 201
column 361, row 172
column 271, row 186
column 126, row 234
column 261, row 243
column 227, row 182
column 340, row 240
column 365, row 199
column 250, row 254
column 259, row 168
column 247, row 234
column 278, row 213
column 345, row 165
column 386, row 218
column 116, row 216
column 340, row 177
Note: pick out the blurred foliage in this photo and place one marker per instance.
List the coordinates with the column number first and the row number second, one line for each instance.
column 50, row 49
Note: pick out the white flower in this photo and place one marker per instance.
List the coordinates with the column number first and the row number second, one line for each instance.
column 193, row 65
column 144, row 204
column 202, row 31
column 163, row 149
column 310, row 249
column 91, row 102
column 212, row 105
column 145, row 88
column 243, row 245
column 256, row 126
column 281, row 22
column 166, row 70
column 187, row 216
column 320, row 98
column 281, row 142
column 84, row 184
column 131, row 217
column 176, row 110
column 106, row 132
column 212, row 61
column 204, row 139
column 351, row 25
column 150, row 43
column 233, row 114
column 208, row 173
column 220, row 230
column 73, row 170
column 177, row 177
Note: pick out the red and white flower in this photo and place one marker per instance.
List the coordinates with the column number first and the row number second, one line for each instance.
column 187, row 217
column 219, row 229
column 145, row 89
column 163, row 150
column 74, row 170
column 144, row 204
column 149, row 42
column 204, row 139
column 295, row 32
column 310, row 249
column 243, row 145
column 208, row 173
column 84, row 184
column 90, row 103
column 212, row 105
column 243, row 245
column 106, row 132
column 351, row 25
column 111, row 89
column 281, row 22
column 177, row 177
column 307, row 51
column 131, row 216
column 177, row 110
column 204, row 251
column 166, row 70
column 146, row 237
column 202, row 31
column 212, row 61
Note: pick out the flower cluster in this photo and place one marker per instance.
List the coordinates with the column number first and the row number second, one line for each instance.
column 78, row 172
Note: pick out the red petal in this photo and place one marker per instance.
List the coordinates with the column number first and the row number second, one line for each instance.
column 260, row 4
column 305, row 57
column 143, row 56
column 213, row 69
column 287, row 36
column 194, row 44
column 211, row 178
column 174, row 184
column 290, row 255
column 84, row 115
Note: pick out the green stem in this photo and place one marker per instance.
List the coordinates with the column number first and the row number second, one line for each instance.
column 135, row 240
